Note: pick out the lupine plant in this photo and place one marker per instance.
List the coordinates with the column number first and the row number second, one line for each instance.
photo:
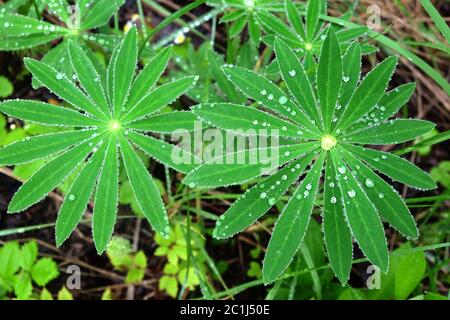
column 327, row 122
column 18, row 32
column 306, row 35
column 107, row 116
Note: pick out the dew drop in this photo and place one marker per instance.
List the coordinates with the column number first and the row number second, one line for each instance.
column 333, row 200
column 71, row 197
column 59, row 76
column 292, row 73
column 345, row 78
column 342, row 170
column 351, row 193
column 263, row 195
column 381, row 195
column 283, row 100
column 192, row 185
column 369, row 183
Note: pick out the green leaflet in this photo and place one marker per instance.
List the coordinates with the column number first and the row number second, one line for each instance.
column 88, row 76
column 393, row 166
column 59, row 8
column 215, row 62
column 99, row 13
column 159, row 98
column 241, row 166
column 291, row 225
column 147, row 194
column 110, row 72
column 329, row 77
column 389, row 204
column 166, row 122
column 64, row 88
column 351, row 63
column 369, row 92
column 253, row 30
column 41, row 146
column 14, row 25
column 337, row 235
column 50, row 176
column 392, row 132
column 78, row 196
column 231, row 16
column 259, row 199
column 312, row 18
column 296, row 80
column 275, row 25
column 262, row 90
column 294, row 18
column 362, row 216
column 148, row 77
column 237, row 26
column 106, row 197
column 246, row 120
column 123, row 73
column 388, row 105
column 350, row 34
column 20, row 43
column 46, row 114
column 165, row 152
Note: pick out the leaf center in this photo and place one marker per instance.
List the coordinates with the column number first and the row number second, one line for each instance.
column 328, row 142
column 114, row 125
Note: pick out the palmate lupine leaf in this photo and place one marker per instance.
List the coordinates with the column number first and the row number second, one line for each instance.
column 96, row 138
column 20, row 32
column 355, row 198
